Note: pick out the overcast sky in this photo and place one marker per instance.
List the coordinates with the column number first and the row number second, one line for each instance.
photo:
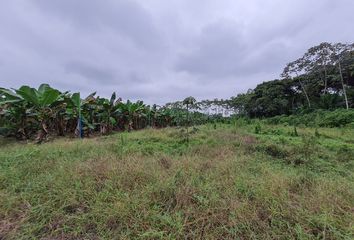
column 162, row 50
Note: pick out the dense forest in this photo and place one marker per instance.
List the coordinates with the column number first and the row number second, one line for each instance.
column 323, row 78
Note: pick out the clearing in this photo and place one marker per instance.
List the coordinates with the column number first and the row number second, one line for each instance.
column 230, row 181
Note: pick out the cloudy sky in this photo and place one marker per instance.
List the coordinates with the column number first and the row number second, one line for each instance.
column 162, row 50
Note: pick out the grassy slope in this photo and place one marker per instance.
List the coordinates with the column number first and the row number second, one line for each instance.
column 228, row 183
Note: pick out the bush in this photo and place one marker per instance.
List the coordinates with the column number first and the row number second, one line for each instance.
column 294, row 133
column 257, row 128
column 345, row 154
column 337, row 118
column 321, row 118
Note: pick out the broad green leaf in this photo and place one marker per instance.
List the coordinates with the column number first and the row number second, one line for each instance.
column 112, row 120
column 86, row 123
column 29, row 94
column 9, row 95
column 49, row 96
column 43, row 88
column 76, row 99
column 10, row 101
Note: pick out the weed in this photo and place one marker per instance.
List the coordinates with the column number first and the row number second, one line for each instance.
column 345, row 154
column 308, row 147
column 258, row 128
column 294, row 132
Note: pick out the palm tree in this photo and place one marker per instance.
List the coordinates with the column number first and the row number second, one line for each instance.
column 188, row 102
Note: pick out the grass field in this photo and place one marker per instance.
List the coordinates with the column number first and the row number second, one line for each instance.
column 230, row 181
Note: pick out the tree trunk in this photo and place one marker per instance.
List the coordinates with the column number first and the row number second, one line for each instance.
column 325, row 79
column 60, row 125
column 42, row 133
column 22, row 130
column 130, row 125
column 304, row 90
column 342, row 81
column 187, row 123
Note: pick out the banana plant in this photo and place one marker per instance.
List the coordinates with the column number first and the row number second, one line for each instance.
column 130, row 113
column 40, row 105
column 26, row 112
column 89, row 110
column 76, row 110
column 150, row 113
column 106, row 113
column 13, row 114
column 80, row 114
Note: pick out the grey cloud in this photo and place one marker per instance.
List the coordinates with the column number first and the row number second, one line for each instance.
column 158, row 50
column 90, row 72
column 126, row 18
column 219, row 48
column 230, row 49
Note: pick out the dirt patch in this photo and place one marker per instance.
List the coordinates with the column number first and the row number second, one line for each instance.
column 98, row 168
column 9, row 224
column 248, row 140
column 165, row 162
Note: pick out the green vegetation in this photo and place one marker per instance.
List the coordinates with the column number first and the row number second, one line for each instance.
column 28, row 112
column 323, row 78
column 244, row 180
column 321, row 118
column 280, row 168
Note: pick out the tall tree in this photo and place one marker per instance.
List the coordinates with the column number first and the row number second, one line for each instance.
column 340, row 51
column 318, row 59
column 294, row 69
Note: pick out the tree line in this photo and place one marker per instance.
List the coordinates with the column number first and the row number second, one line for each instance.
column 323, row 78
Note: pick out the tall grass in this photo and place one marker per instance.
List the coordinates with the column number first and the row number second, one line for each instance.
column 227, row 183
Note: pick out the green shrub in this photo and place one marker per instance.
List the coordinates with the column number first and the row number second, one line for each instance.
column 321, row 118
column 337, row 118
column 345, row 154
column 294, row 133
column 258, row 128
